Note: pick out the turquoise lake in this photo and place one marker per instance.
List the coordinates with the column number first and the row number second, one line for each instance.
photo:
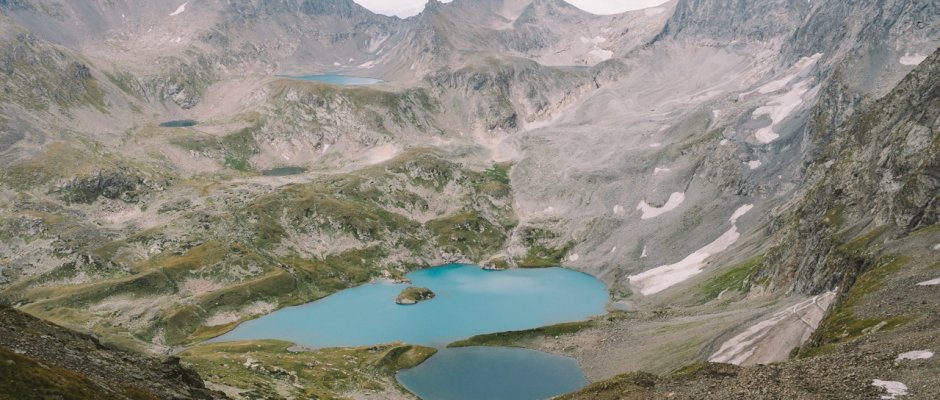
column 339, row 79
column 498, row 373
column 470, row 301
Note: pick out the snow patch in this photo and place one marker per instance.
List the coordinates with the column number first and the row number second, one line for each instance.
column 779, row 108
column 893, row 388
column 644, row 254
column 798, row 69
column 367, row 64
column 773, row 332
column 937, row 247
column 740, row 213
column 594, row 40
column 716, row 114
column 666, row 276
column 375, row 43
column 179, row 10
column 648, row 211
column 574, row 257
column 912, row 59
column 753, row 164
column 915, row 355
column 658, row 170
column 602, row 54
column 932, row 282
column 655, row 145
column 724, row 142
column 619, row 210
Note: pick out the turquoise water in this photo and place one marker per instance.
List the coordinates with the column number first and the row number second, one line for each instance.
column 493, row 373
column 470, row 301
column 340, row 79
column 183, row 123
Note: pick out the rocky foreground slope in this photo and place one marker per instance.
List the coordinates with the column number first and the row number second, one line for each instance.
column 39, row 360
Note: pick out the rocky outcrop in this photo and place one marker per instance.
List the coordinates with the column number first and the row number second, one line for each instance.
column 876, row 174
column 414, row 295
column 725, row 21
column 110, row 185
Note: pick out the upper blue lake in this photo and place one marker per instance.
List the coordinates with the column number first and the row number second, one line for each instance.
column 493, row 373
column 470, row 301
column 339, row 79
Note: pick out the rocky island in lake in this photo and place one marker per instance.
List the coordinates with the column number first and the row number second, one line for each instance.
column 414, row 295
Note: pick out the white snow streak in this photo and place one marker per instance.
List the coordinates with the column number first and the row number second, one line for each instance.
column 797, row 70
column 779, row 108
column 932, row 282
column 740, row 213
column 893, row 388
column 754, row 164
column 912, row 59
column 648, row 211
column 602, row 54
column 179, row 10
column 740, row 348
column 658, row 170
column 782, row 105
column 915, row 355
column 666, row 276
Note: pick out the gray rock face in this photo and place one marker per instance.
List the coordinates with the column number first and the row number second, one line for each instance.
column 724, row 21
column 880, row 170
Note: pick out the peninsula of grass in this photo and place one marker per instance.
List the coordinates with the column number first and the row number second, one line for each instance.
column 516, row 338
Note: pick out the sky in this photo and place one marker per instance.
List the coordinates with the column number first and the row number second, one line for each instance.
column 407, row 8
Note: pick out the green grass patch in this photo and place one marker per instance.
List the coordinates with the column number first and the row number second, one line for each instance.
column 499, row 173
column 735, row 278
column 468, row 232
column 545, row 257
column 515, row 338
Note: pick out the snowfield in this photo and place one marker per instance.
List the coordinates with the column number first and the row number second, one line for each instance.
column 912, row 59
column 915, row 355
column 666, row 276
column 893, row 388
column 648, row 211
column 179, row 10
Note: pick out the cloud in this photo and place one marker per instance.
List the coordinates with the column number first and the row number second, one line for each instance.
column 407, row 8
column 607, row 7
column 399, row 8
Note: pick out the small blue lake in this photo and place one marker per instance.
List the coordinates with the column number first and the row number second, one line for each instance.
column 339, row 79
column 470, row 301
column 498, row 373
